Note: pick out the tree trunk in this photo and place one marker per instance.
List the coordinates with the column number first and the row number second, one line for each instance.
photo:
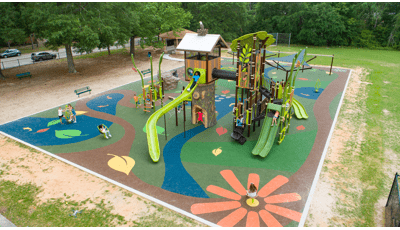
column 2, row 77
column 133, row 45
column 32, row 41
column 70, row 59
column 109, row 51
column 8, row 43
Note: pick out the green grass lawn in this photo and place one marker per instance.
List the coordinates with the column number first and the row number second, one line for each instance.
column 381, row 130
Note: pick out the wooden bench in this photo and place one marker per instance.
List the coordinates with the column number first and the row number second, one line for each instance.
column 147, row 71
column 83, row 90
column 22, row 75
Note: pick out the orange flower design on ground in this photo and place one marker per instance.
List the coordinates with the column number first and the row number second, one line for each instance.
column 240, row 212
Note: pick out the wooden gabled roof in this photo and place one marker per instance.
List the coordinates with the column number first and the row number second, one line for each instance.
column 196, row 43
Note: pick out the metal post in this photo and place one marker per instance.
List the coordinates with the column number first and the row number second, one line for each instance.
column 330, row 72
column 176, row 115
column 184, row 119
column 18, row 63
column 277, row 34
column 165, row 127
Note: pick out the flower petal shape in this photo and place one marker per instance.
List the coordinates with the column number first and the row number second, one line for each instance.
column 269, row 220
column 223, row 192
column 273, row 185
column 252, row 220
column 282, row 198
column 293, row 215
column 233, row 218
column 253, row 178
column 230, row 177
column 202, row 208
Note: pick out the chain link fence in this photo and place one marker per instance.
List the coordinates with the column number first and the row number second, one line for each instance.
column 282, row 38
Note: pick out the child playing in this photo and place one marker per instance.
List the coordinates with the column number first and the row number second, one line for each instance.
column 60, row 114
column 195, row 79
column 73, row 113
column 137, row 102
column 180, row 105
column 252, row 192
column 105, row 131
column 200, row 116
column 239, row 121
column 276, row 115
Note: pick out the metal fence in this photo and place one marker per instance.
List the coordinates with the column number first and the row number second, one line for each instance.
column 20, row 61
column 282, row 38
column 392, row 208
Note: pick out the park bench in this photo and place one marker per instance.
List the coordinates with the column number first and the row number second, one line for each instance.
column 147, row 71
column 22, row 75
column 83, row 90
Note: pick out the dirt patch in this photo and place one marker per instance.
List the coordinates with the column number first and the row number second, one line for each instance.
column 331, row 196
column 50, row 86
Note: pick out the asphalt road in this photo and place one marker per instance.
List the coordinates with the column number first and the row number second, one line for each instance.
column 25, row 59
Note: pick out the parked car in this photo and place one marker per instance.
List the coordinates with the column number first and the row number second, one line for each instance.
column 42, row 56
column 10, row 53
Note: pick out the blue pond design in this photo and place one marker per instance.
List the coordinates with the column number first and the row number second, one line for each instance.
column 87, row 125
column 310, row 91
column 176, row 178
column 103, row 101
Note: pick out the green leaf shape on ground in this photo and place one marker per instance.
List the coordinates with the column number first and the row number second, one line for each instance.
column 160, row 130
column 116, row 130
column 53, row 122
column 69, row 133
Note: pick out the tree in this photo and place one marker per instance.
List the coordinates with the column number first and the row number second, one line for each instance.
column 156, row 18
column 230, row 19
column 117, row 24
column 9, row 30
column 79, row 25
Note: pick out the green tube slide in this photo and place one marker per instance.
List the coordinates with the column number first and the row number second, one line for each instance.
column 299, row 110
column 151, row 130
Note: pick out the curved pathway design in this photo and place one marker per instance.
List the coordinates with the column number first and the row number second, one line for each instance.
column 177, row 179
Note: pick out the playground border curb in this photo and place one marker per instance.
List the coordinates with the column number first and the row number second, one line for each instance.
column 321, row 162
column 4, row 222
column 178, row 210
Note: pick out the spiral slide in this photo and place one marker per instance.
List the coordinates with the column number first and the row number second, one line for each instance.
column 151, row 130
column 266, row 138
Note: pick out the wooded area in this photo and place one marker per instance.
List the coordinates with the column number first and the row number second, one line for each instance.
column 101, row 24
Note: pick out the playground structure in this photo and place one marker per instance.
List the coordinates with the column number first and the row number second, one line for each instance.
column 153, row 92
column 202, row 54
column 251, row 86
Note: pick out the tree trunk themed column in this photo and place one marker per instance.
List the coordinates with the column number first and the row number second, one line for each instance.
column 203, row 101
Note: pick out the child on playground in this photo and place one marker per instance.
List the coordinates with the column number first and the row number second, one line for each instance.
column 276, row 115
column 60, row 114
column 137, row 102
column 105, row 131
column 195, row 79
column 252, row 192
column 73, row 113
column 239, row 121
column 180, row 105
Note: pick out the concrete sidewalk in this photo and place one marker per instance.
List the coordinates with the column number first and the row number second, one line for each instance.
column 5, row 223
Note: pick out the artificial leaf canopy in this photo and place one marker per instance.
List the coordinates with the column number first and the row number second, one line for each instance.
column 247, row 40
